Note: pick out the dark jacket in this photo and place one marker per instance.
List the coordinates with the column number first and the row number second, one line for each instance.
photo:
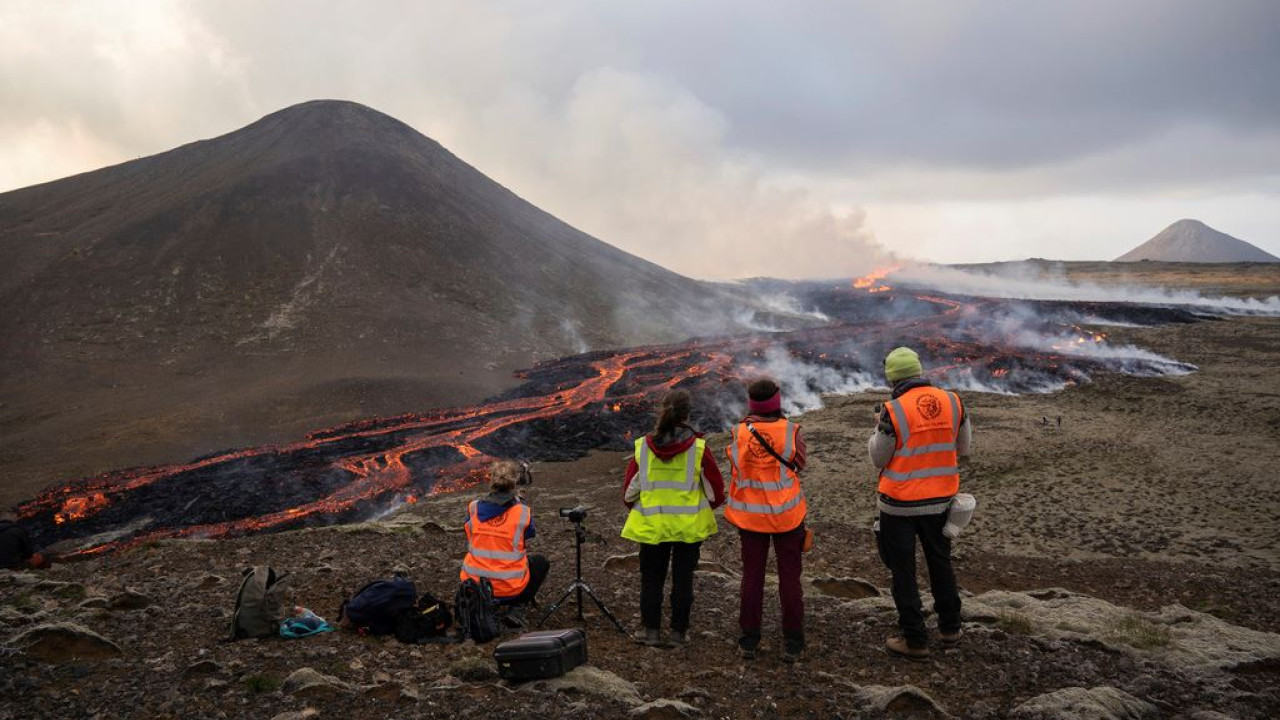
column 15, row 545
column 670, row 445
column 495, row 504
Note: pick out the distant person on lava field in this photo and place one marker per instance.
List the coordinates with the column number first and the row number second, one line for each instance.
column 671, row 485
column 766, row 504
column 498, row 526
column 920, row 435
column 16, row 551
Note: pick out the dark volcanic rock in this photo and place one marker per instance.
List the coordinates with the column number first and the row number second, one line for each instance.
column 62, row 642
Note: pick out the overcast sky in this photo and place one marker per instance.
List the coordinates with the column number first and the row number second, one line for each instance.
column 719, row 138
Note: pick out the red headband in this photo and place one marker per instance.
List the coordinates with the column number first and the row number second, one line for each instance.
column 773, row 404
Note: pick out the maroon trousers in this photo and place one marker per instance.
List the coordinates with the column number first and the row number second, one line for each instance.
column 787, row 547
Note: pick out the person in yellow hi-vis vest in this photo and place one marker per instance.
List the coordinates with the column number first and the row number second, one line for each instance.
column 672, row 484
column 767, row 505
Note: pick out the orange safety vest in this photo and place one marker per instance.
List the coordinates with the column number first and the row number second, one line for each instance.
column 495, row 549
column 926, row 421
column 764, row 496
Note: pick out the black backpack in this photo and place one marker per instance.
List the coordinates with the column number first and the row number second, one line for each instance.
column 375, row 608
column 427, row 621
column 476, row 611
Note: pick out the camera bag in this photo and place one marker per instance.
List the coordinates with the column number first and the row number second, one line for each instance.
column 541, row 655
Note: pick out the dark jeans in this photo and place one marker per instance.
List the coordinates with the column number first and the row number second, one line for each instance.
column 787, row 547
column 654, row 559
column 898, row 550
column 539, row 566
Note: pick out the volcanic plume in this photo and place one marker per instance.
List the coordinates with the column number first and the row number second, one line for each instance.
column 325, row 263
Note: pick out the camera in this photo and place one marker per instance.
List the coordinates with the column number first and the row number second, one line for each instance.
column 574, row 514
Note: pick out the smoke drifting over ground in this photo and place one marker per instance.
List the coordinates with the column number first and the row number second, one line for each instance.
column 1029, row 283
column 571, row 405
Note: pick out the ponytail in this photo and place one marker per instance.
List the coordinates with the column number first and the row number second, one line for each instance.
column 674, row 411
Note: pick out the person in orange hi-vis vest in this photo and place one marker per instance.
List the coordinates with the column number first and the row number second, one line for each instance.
column 767, row 505
column 497, row 527
column 920, row 435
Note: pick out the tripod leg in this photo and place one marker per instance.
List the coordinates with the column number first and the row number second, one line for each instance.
column 603, row 609
column 556, row 605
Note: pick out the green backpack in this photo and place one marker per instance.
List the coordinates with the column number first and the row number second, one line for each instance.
column 259, row 606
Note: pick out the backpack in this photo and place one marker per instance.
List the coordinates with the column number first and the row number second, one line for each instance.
column 259, row 608
column 476, row 611
column 427, row 621
column 375, row 608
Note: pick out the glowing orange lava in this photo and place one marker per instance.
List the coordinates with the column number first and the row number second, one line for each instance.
column 871, row 282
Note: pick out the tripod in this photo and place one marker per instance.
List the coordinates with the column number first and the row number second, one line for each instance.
column 580, row 535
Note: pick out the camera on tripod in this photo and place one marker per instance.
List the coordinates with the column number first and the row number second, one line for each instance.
column 574, row 514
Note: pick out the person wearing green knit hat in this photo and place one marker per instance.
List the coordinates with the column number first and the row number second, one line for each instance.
column 901, row 364
column 920, row 434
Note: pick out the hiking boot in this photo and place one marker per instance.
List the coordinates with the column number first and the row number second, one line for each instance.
column 648, row 636
column 515, row 617
column 897, row 645
column 749, row 645
column 949, row 640
column 792, row 647
column 678, row 638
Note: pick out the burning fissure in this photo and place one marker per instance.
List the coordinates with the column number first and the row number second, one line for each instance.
column 598, row 400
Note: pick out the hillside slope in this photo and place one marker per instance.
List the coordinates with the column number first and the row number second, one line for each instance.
column 324, row 263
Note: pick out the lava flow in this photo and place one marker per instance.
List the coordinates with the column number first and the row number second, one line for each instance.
column 569, row 406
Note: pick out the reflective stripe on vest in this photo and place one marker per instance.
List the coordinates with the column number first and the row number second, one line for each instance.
column 764, row 495
column 924, row 463
column 670, row 509
column 495, row 549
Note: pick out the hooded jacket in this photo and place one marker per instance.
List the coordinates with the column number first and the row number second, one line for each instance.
column 666, row 447
column 494, row 504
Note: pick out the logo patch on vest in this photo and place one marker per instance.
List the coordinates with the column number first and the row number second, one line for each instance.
column 757, row 450
column 929, row 407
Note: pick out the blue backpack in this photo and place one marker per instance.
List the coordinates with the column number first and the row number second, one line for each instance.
column 375, row 608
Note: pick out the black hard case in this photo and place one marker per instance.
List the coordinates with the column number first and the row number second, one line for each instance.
column 544, row 654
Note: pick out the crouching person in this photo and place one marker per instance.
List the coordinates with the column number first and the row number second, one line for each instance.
column 672, row 484
column 498, row 526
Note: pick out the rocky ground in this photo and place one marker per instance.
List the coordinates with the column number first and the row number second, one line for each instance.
column 1122, row 564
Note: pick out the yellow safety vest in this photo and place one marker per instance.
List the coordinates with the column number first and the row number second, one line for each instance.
column 672, row 506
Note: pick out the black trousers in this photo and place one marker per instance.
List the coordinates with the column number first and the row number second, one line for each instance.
column 654, row 559
column 898, row 550
column 539, row 566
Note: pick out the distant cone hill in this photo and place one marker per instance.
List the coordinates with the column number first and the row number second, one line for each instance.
column 325, row 263
column 1193, row 241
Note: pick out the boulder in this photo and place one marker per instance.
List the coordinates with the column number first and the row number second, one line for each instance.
column 629, row 562
column 849, row 588
column 664, row 709
column 592, row 681
column 907, row 701
column 473, row 668
column 1174, row 636
column 303, row 714
column 202, row 667
column 62, row 642
column 1077, row 703
column 129, row 600
column 309, row 683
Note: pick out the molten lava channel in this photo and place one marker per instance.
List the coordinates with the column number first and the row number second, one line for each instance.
column 575, row 404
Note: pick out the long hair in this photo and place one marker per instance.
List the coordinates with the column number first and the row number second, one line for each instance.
column 674, row 411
